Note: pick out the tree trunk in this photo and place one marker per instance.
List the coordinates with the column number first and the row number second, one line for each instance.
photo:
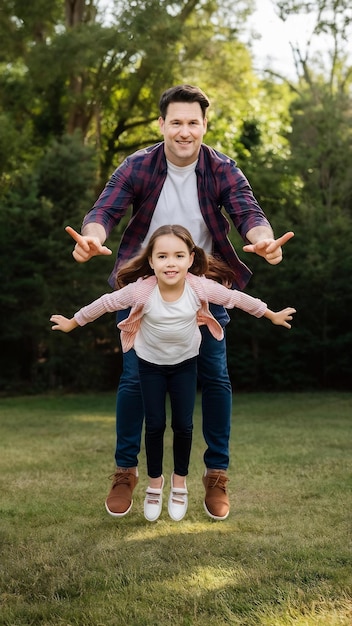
column 74, row 11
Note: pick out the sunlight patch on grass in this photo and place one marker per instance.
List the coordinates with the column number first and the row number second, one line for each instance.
column 318, row 612
column 167, row 529
column 207, row 578
column 95, row 419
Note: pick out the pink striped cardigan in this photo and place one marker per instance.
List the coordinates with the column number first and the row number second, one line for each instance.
column 136, row 295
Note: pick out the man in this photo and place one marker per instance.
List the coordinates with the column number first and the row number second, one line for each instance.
column 179, row 181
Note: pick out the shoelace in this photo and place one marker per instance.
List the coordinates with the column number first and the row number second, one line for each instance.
column 219, row 481
column 120, row 478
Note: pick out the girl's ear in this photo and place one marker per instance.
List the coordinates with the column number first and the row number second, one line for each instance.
column 150, row 262
column 191, row 260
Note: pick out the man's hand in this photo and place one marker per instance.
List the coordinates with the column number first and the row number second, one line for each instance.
column 270, row 249
column 86, row 246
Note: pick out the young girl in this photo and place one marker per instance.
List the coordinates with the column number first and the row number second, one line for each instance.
column 168, row 287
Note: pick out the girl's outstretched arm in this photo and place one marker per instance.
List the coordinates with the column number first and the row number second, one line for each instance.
column 63, row 323
column 107, row 303
column 280, row 318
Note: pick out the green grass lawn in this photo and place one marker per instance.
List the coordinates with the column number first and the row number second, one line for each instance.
column 283, row 557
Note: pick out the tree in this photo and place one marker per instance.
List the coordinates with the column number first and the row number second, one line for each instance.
column 39, row 276
column 321, row 159
column 64, row 71
column 308, row 191
column 77, row 94
column 105, row 79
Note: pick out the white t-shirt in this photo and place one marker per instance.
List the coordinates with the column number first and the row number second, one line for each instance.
column 169, row 333
column 178, row 204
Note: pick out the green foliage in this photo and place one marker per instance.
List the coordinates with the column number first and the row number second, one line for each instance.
column 307, row 188
column 23, row 24
column 322, row 158
column 77, row 94
column 40, row 276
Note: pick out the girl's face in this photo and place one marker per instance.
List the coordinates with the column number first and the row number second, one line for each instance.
column 170, row 260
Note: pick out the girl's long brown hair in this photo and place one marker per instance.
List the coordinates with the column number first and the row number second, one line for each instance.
column 203, row 264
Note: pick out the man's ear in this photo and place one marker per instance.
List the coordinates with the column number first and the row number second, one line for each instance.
column 161, row 123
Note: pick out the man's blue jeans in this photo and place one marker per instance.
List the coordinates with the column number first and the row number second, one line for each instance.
column 216, row 404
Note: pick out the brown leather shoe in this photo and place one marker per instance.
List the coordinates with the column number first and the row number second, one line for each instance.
column 119, row 501
column 216, row 501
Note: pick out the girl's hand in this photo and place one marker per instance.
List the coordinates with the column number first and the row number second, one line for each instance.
column 280, row 318
column 63, row 323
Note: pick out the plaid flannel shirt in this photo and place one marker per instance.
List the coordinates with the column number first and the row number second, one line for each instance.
column 137, row 183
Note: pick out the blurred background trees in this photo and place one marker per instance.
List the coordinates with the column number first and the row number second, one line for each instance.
column 79, row 89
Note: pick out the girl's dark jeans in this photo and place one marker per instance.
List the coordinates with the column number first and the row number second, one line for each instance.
column 180, row 383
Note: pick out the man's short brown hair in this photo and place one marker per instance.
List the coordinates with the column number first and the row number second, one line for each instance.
column 183, row 93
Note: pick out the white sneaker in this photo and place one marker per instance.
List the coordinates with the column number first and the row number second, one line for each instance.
column 153, row 502
column 178, row 502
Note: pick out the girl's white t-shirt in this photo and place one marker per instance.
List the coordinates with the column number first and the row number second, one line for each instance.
column 178, row 204
column 169, row 333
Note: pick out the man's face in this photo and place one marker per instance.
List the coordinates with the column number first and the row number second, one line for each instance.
column 183, row 129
